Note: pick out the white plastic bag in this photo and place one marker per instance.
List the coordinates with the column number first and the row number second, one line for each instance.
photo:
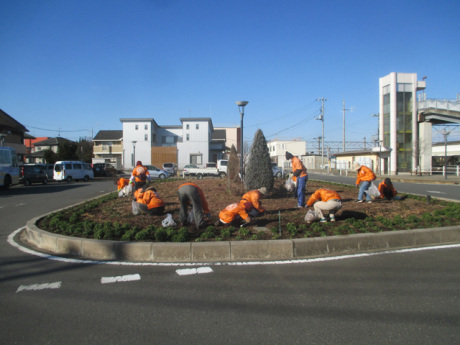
column 373, row 191
column 168, row 221
column 136, row 209
column 312, row 216
column 290, row 185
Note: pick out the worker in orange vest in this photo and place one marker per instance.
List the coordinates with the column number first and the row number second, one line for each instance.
column 300, row 177
column 235, row 213
column 149, row 201
column 387, row 191
column 190, row 193
column 365, row 176
column 325, row 200
column 139, row 176
column 253, row 197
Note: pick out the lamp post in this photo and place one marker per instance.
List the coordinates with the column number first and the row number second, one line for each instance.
column 134, row 152
column 241, row 105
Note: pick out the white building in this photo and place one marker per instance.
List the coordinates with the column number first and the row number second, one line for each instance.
column 193, row 143
column 278, row 148
column 399, row 129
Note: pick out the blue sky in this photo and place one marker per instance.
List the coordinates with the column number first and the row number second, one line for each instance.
column 75, row 67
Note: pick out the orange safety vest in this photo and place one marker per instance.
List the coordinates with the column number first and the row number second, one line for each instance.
column 140, row 174
column 121, row 183
column 149, row 197
column 296, row 165
column 323, row 194
column 383, row 187
column 253, row 197
column 228, row 214
column 204, row 203
column 365, row 174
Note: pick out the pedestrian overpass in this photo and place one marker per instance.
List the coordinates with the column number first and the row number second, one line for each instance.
column 439, row 112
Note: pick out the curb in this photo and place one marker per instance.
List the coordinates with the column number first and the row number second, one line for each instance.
column 199, row 252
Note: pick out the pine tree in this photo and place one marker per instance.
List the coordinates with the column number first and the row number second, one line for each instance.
column 233, row 168
column 258, row 172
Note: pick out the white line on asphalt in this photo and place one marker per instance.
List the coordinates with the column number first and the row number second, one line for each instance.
column 35, row 287
column 21, row 204
column 120, row 279
column 434, row 191
column 190, row 271
column 243, row 263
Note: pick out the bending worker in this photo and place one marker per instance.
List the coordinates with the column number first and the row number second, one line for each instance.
column 365, row 177
column 253, row 197
column 190, row 193
column 139, row 176
column 235, row 213
column 325, row 200
column 149, row 201
column 387, row 191
column 300, row 177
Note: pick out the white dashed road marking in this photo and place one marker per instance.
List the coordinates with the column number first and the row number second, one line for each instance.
column 189, row 271
column 120, row 279
column 35, row 287
column 434, row 192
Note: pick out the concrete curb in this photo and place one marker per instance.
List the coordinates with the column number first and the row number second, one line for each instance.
column 198, row 252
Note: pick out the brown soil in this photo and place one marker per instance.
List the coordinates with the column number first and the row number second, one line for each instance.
column 280, row 205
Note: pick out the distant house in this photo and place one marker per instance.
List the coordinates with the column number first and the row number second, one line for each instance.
column 12, row 134
column 108, row 147
column 278, row 149
column 39, row 148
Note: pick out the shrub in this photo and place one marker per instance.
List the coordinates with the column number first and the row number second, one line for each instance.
column 258, row 171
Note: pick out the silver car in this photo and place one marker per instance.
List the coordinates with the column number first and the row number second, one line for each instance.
column 156, row 173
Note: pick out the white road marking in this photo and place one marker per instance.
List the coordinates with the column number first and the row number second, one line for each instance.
column 434, row 191
column 35, row 287
column 120, row 279
column 21, row 204
column 190, row 271
column 201, row 264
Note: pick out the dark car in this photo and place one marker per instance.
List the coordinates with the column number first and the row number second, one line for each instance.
column 103, row 169
column 33, row 173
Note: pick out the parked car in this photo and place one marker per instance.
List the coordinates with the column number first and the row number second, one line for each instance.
column 49, row 170
column 212, row 169
column 103, row 169
column 72, row 170
column 189, row 166
column 33, row 173
column 277, row 171
column 157, row 173
column 170, row 168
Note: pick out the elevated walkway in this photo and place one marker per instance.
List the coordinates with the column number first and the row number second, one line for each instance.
column 439, row 112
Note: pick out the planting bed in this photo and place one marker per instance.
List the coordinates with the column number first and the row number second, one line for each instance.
column 113, row 218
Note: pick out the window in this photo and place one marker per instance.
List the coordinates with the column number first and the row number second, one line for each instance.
column 187, row 126
column 146, row 127
column 146, row 137
column 136, row 127
column 188, row 137
column 196, row 159
column 197, row 126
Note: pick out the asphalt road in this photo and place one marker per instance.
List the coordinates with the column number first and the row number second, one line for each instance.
column 403, row 297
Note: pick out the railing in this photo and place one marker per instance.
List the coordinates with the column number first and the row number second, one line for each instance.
column 439, row 104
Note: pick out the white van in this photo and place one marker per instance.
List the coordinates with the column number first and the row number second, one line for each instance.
column 72, row 170
column 9, row 167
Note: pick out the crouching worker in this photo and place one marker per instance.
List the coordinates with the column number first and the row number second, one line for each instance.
column 123, row 186
column 325, row 201
column 387, row 191
column 191, row 194
column 253, row 197
column 235, row 214
column 148, row 201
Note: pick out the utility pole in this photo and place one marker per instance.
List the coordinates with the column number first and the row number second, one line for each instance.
column 344, row 110
column 321, row 118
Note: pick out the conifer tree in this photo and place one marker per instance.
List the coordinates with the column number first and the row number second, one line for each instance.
column 233, row 168
column 258, row 171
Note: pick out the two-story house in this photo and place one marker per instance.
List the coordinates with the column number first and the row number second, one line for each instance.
column 108, row 148
column 12, row 134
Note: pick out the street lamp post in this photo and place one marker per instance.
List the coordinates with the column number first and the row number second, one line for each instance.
column 134, row 152
column 241, row 105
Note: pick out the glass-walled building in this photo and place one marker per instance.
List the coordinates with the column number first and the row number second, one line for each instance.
column 399, row 129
